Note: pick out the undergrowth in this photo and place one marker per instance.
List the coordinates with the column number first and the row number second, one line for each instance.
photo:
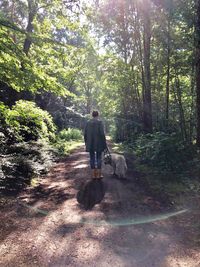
column 22, row 162
column 167, row 164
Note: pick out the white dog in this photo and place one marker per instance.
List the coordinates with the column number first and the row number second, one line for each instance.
column 118, row 163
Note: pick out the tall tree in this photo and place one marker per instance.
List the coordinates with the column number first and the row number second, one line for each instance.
column 169, row 18
column 198, row 70
column 147, row 105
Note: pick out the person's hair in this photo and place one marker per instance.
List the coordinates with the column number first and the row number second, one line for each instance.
column 95, row 113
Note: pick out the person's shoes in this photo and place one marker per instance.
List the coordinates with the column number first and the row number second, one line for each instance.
column 94, row 173
column 99, row 175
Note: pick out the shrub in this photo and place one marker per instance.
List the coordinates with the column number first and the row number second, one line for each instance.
column 30, row 122
column 23, row 162
column 3, row 111
column 70, row 134
column 7, row 135
column 164, row 151
column 63, row 148
column 67, row 140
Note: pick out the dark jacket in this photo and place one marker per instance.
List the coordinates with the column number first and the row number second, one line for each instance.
column 94, row 136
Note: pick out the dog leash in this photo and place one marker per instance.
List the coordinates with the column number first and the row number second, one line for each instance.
column 107, row 155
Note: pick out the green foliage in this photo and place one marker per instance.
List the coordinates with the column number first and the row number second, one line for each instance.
column 51, row 61
column 64, row 148
column 167, row 152
column 3, row 111
column 22, row 162
column 29, row 122
column 67, row 140
column 70, row 134
column 6, row 134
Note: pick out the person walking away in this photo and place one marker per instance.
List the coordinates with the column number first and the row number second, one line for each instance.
column 95, row 142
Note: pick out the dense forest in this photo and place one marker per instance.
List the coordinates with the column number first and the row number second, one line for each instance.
column 137, row 62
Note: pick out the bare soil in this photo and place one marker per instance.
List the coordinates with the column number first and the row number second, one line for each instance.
column 45, row 226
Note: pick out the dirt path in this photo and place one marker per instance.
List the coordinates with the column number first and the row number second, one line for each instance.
column 46, row 226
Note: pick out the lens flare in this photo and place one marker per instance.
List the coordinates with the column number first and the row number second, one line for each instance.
column 114, row 222
column 134, row 221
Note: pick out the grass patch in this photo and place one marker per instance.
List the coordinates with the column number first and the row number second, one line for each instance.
column 65, row 148
column 67, row 140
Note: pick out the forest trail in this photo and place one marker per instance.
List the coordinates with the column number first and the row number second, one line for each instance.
column 47, row 227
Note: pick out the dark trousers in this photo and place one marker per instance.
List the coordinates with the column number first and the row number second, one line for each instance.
column 95, row 159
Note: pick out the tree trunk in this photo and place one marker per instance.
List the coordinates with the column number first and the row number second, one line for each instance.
column 168, row 72
column 192, row 103
column 13, row 20
column 88, row 94
column 198, row 71
column 147, row 108
column 178, row 96
column 29, row 29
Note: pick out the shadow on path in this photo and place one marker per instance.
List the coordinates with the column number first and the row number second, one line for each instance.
column 47, row 227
